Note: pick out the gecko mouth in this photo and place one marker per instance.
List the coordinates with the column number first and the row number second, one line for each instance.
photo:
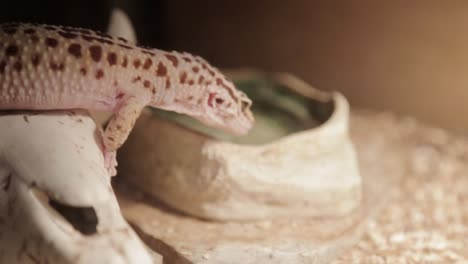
column 242, row 125
column 238, row 125
column 248, row 115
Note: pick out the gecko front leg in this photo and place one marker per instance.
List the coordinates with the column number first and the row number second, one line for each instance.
column 119, row 127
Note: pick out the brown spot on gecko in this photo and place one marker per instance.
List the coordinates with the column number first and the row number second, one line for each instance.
column 183, row 77
column 146, row 83
column 29, row 31
column 173, row 59
column 75, row 50
column 125, row 62
column 35, row 59
column 136, row 79
column 219, row 81
column 187, row 59
column 219, row 100
column 212, row 73
column 99, row 74
column 168, row 84
column 2, row 66
column 136, row 63
column 112, row 58
column 18, row 66
column 119, row 96
column 190, row 98
column 195, row 69
column 68, row 35
column 228, row 89
column 200, row 79
column 11, row 50
column 83, row 71
column 96, row 52
column 56, row 66
column 191, row 82
column 51, row 42
column 34, row 38
column 162, row 70
column 147, row 64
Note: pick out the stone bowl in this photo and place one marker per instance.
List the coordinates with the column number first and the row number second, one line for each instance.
column 298, row 160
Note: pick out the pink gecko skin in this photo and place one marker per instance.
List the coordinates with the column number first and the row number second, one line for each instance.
column 45, row 67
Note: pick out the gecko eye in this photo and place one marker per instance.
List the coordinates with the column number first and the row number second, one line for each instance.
column 213, row 100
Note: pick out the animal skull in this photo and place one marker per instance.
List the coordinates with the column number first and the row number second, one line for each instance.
column 56, row 201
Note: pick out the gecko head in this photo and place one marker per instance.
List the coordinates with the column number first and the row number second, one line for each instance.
column 228, row 108
column 219, row 103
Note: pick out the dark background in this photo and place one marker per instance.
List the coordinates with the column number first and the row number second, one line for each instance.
column 408, row 57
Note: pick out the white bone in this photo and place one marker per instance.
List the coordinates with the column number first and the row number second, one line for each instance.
column 57, row 155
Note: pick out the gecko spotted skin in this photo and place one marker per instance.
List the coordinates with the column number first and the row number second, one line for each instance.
column 53, row 67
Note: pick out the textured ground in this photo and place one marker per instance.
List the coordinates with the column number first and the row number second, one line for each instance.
column 426, row 217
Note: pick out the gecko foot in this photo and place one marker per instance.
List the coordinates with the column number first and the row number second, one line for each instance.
column 110, row 162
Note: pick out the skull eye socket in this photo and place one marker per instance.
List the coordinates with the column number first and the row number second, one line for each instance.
column 83, row 219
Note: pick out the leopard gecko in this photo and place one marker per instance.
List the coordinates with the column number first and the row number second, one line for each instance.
column 45, row 67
